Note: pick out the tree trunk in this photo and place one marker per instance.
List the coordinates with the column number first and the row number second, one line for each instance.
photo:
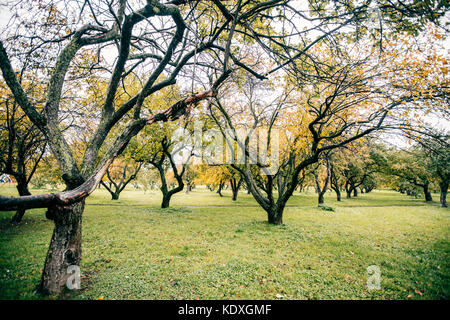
column 235, row 186
column 115, row 196
column 427, row 193
column 165, row 201
column 355, row 192
column 17, row 218
column 235, row 194
column 321, row 198
column 188, row 187
column 65, row 247
column 349, row 194
column 275, row 216
column 22, row 188
column 219, row 190
column 338, row 194
column 444, row 188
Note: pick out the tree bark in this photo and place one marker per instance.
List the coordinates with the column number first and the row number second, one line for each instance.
column 427, row 193
column 320, row 200
column 338, row 195
column 275, row 216
column 64, row 249
column 165, row 201
column 355, row 192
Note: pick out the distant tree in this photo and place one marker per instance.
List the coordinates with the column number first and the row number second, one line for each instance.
column 411, row 166
column 119, row 175
column 160, row 149
column 322, row 171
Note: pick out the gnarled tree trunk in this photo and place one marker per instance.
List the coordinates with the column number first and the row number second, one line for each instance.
column 65, row 247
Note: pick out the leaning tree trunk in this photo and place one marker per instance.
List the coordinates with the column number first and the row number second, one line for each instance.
column 65, row 247
column 165, row 201
column 167, row 195
column 338, row 194
column 22, row 188
column 444, row 188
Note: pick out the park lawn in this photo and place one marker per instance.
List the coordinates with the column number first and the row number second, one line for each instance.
column 206, row 247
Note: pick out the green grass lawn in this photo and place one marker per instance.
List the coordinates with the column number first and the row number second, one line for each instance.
column 206, row 247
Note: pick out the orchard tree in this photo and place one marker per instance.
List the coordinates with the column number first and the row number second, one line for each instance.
column 159, row 148
column 434, row 144
column 162, row 42
column 322, row 172
column 408, row 165
column 329, row 99
column 22, row 145
column 119, row 174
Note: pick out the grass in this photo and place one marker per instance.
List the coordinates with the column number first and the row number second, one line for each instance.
column 206, row 247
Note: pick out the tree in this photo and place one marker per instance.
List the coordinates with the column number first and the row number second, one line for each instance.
column 59, row 37
column 22, row 145
column 122, row 26
column 160, row 150
column 439, row 164
column 119, row 175
column 325, row 175
column 434, row 145
column 408, row 165
column 325, row 106
column 217, row 175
